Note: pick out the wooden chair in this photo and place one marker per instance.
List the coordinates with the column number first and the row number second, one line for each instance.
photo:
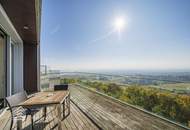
column 18, row 113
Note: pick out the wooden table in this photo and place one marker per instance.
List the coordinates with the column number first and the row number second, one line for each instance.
column 43, row 99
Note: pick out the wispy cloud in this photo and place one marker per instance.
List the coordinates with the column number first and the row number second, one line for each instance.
column 103, row 37
column 55, row 29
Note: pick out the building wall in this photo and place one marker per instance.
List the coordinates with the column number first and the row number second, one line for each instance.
column 23, row 59
column 13, row 69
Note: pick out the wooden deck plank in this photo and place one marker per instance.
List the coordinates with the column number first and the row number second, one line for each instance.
column 97, row 116
column 100, row 116
column 87, row 123
column 75, row 122
column 115, row 115
column 76, row 119
column 4, row 121
column 68, row 125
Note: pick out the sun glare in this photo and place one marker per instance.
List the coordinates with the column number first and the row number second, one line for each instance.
column 119, row 23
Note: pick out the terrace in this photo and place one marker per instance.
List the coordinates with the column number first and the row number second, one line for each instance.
column 93, row 110
column 20, row 65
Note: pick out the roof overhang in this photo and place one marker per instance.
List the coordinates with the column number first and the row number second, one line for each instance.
column 25, row 15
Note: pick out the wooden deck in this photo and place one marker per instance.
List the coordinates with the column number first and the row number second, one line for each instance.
column 75, row 121
column 91, row 111
column 111, row 115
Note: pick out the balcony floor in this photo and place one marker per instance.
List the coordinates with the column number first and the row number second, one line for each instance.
column 75, row 121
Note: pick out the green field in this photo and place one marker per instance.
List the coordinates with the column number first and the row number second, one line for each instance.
column 183, row 88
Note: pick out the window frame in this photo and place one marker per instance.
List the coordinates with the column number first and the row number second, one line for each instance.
column 5, row 64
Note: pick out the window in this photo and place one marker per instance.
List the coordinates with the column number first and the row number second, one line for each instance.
column 2, row 68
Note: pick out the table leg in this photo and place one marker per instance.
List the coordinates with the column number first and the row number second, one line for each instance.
column 63, row 109
column 59, row 116
column 44, row 112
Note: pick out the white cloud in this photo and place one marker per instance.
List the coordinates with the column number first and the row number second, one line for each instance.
column 55, row 29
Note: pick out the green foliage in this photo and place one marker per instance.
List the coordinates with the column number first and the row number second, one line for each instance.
column 68, row 81
column 114, row 90
column 167, row 104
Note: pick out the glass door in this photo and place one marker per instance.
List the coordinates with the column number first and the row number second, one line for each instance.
column 2, row 68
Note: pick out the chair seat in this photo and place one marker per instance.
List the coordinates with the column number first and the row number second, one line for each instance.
column 21, row 112
column 32, row 111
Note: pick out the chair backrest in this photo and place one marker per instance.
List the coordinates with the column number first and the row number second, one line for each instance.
column 2, row 102
column 16, row 98
column 13, row 101
column 61, row 87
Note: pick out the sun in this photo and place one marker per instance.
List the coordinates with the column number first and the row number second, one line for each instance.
column 119, row 23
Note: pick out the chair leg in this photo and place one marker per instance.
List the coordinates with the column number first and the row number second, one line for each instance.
column 11, row 123
column 44, row 112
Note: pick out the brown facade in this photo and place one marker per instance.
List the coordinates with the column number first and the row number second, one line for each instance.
column 30, row 68
column 25, row 16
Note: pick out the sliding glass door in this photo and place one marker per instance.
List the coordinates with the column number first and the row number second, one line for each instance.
column 2, row 68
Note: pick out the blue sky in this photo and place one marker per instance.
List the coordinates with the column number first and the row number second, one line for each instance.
column 75, row 34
